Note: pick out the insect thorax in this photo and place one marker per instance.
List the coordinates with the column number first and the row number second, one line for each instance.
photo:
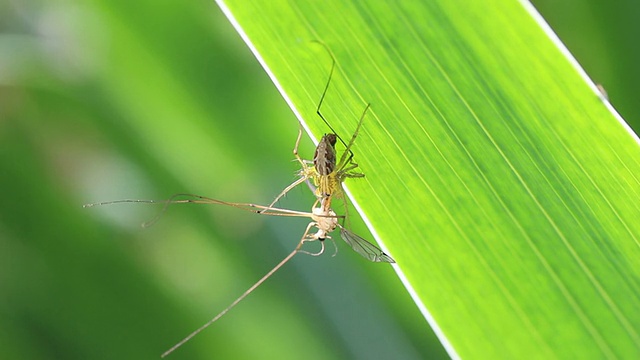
column 326, row 221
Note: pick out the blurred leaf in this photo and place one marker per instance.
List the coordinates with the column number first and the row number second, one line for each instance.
column 99, row 103
column 103, row 99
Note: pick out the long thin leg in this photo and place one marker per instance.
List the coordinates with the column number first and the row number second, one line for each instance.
column 304, row 173
column 284, row 192
column 295, row 147
column 199, row 199
column 284, row 261
column 347, row 172
column 324, row 93
column 346, row 217
column 343, row 159
column 326, row 87
column 253, row 287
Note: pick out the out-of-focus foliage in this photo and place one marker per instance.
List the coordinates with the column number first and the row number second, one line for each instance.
column 103, row 100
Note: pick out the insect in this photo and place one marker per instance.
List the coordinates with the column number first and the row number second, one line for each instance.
column 328, row 173
column 323, row 219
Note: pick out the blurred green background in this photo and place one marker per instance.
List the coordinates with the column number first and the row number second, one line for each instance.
column 103, row 100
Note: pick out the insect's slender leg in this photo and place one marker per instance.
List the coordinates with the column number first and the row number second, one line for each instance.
column 304, row 173
column 344, row 160
column 311, row 237
column 304, row 239
column 324, row 93
column 346, row 217
column 326, row 87
column 199, row 199
column 295, row 148
column 166, row 203
column 335, row 248
column 347, row 172
column 283, row 193
column 312, row 187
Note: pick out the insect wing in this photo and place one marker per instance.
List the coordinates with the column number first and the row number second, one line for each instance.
column 363, row 247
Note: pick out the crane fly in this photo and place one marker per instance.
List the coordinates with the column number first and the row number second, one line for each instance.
column 323, row 219
column 327, row 173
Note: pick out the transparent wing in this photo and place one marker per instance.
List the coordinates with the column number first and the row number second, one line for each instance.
column 363, row 247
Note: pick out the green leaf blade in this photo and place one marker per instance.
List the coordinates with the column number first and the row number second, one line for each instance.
column 501, row 184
